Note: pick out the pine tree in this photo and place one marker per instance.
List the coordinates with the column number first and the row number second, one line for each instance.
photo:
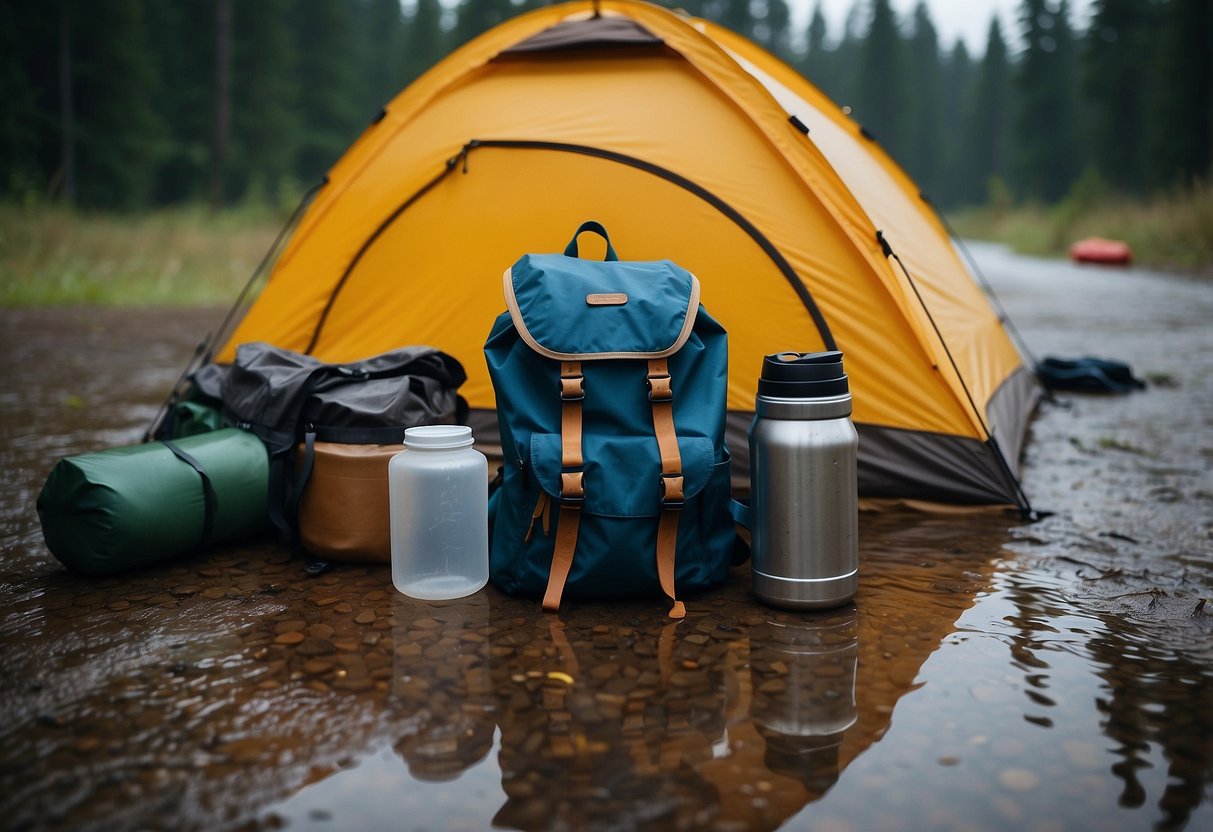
column 424, row 41
column 265, row 124
column 1070, row 154
column 772, row 29
column 956, row 81
column 925, row 98
column 381, row 35
column 880, row 98
column 474, row 17
column 848, row 60
column 732, row 14
column 1118, row 81
column 328, row 111
column 1044, row 126
column 1182, row 144
column 987, row 130
column 118, row 135
column 29, row 124
column 817, row 63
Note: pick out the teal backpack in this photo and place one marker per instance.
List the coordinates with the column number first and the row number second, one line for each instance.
column 610, row 383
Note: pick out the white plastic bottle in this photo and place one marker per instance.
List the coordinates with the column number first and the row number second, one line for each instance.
column 438, row 496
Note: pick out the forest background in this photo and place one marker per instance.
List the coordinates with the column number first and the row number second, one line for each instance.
column 113, row 110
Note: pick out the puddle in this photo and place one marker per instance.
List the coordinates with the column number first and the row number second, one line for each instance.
column 990, row 675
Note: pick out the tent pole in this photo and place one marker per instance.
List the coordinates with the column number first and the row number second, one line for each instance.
column 1025, row 507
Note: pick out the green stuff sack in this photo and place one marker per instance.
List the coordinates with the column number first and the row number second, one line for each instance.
column 131, row 506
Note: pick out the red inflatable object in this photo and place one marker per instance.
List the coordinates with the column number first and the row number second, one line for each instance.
column 1099, row 250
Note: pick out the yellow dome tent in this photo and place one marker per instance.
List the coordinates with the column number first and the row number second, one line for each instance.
column 688, row 143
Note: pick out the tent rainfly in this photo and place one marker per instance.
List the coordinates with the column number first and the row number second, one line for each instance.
column 690, row 143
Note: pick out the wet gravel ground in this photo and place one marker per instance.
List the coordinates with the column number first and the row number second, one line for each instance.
column 991, row 674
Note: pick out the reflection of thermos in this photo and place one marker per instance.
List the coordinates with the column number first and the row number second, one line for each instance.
column 803, row 678
column 803, row 483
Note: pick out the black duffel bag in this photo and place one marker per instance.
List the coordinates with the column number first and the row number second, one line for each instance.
column 292, row 402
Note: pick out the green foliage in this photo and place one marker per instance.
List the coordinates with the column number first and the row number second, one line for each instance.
column 881, row 96
column 120, row 136
column 425, row 40
column 985, row 150
column 183, row 95
column 1173, row 229
column 266, row 121
column 921, row 137
column 1045, row 127
column 325, row 75
column 184, row 256
column 27, row 105
column 476, row 16
column 1132, row 96
column 1181, row 146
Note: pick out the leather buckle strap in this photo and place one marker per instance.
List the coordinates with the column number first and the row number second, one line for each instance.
column 572, row 382
column 660, row 389
column 672, row 492
column 572, row 482
column 572, row 488
column 661, row 395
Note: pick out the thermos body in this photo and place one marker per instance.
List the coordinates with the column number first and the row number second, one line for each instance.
column 804, row 511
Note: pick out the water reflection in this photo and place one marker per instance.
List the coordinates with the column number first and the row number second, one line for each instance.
column 1153, row 698
column 803, row 679
column 603, row 726
column 441, row 683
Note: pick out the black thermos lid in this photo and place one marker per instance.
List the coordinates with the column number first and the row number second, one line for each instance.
column 803, row 375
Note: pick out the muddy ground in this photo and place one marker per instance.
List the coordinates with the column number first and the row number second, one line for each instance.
column 991, row 674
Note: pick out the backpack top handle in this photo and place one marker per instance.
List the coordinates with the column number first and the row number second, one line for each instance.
column 590, row 225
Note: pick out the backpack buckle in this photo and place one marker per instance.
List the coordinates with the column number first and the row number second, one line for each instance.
column 572, row 488
column 572, row 387
column 660, row 389
column 671, row 492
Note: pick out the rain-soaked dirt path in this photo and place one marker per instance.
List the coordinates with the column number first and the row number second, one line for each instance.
column 991, row 675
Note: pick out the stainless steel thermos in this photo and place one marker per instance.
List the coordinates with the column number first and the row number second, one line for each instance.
column 803, row 484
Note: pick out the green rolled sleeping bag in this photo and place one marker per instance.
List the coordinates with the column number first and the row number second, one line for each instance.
column 131, row 506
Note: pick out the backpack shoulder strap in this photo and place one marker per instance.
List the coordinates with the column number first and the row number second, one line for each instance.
column 661, row 395
column 572, row 482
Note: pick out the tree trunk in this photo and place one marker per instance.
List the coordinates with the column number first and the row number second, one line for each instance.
column 67, row 106
column 223, row 98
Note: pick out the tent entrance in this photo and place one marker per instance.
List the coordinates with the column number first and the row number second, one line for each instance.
column 460, row 162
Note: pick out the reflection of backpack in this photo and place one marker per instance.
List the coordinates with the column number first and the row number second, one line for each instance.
column 610, row 383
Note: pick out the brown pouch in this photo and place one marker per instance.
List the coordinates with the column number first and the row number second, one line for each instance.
column 343, row 513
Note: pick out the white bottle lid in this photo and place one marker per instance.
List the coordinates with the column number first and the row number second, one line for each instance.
column 438, row 436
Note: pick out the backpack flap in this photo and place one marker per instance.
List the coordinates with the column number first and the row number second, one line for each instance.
column 622, row 473
column 570, row 309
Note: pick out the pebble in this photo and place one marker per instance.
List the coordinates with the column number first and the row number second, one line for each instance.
column 320, row 631
column 312, row 646
column 365, row 617
column 293, row 637
column 1018, row 779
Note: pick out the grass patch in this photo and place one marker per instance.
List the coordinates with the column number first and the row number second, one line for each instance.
column 1170, row 231
column 187, row 256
